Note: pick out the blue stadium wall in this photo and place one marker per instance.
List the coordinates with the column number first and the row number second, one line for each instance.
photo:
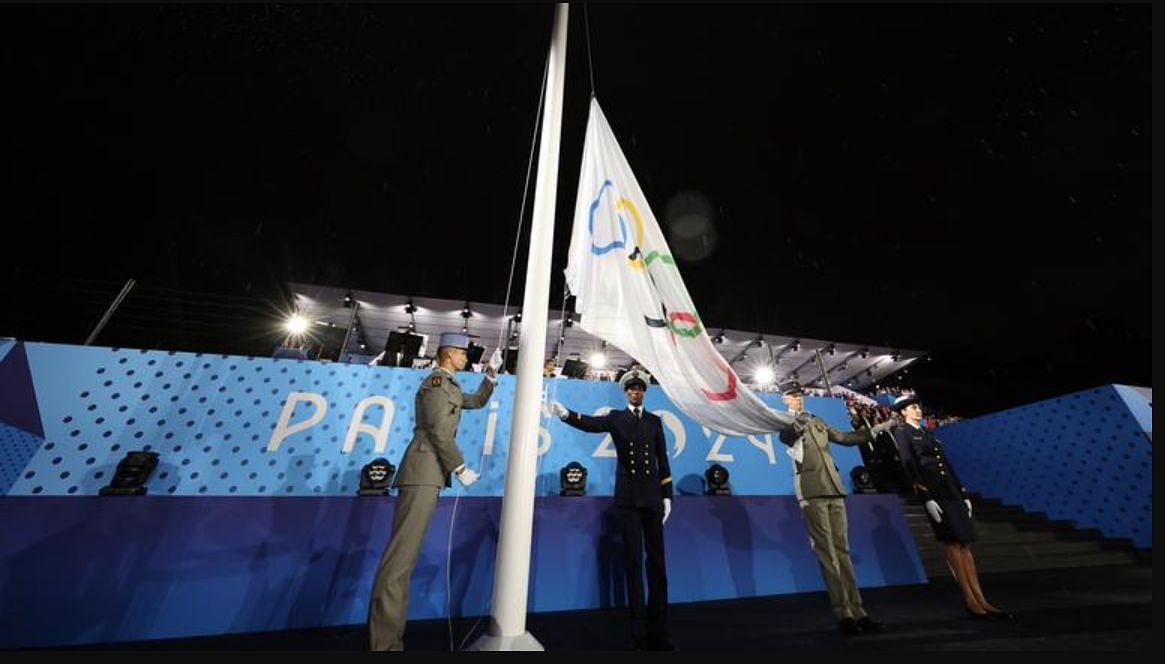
column 252, row 508
column 1086, row 457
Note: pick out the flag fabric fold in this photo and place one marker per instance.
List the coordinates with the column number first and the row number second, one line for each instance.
column 628, row 292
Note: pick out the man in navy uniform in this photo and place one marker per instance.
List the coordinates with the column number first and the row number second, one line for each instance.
column 428, row 461
column 643, row 494
column 821, row 496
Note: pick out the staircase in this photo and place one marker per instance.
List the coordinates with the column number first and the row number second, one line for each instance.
column 1011, row 539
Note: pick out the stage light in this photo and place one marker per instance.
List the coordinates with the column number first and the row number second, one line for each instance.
column 717, row 481
column 573, row 479
column 862, row 480
column 465, row 313
column 132, row 472
column 518, row 317
column 410, row 308
column 865, row 353
column 719, row 338
column 764, row 375
column 895, row 356
column 598, row 360
column 348, row 300
column 795, row 346
column 376, row 477
column 830, row 349
column 568, row 321
column 296, row 324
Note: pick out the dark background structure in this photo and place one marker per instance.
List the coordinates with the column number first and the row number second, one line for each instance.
column 973, row 180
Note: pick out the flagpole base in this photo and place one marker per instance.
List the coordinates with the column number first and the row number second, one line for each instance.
column 517, row 642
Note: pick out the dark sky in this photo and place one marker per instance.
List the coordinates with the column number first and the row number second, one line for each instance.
column 969, row 180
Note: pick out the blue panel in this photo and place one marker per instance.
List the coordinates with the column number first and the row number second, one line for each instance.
column 1082, row 457
column 86, row 570
column 213, row 420
column 16, row 447
column 17, row 399
column 1140, row 404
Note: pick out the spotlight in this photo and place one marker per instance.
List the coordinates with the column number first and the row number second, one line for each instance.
column 598, row 360
column 465, row 313
column 895, row 356
column 376, row 477
column 717, row 480
column 830, row 349
column 764, row 375
column 573, row 479
column 719, row 338
column 795, row 346
column 132, row 472
column 410, row 308
column 348, row 300
column 296, row 324
column 568, row 321
column 518, row 317
column 865, row 353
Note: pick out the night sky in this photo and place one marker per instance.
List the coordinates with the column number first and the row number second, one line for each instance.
column 972, row 180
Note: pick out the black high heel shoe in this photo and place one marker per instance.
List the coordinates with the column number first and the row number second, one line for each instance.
column 1001, row 615
column 985, row 617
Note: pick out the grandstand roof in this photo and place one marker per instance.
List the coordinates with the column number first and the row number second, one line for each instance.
column 851, row 364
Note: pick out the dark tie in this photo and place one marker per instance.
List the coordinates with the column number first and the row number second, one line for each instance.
column 636, row 411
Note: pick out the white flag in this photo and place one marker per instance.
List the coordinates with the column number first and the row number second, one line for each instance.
column 628, row 292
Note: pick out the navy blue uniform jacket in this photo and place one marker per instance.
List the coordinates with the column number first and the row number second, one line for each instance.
column 642, row 476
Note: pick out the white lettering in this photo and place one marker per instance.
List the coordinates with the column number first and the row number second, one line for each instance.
column 379, row 433
column 282, row 430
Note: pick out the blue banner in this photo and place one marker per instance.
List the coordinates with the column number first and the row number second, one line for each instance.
column 245, row 426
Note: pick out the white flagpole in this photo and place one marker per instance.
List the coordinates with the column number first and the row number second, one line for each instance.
column 507, row 630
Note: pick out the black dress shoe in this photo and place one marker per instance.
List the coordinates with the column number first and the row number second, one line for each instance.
column 848, row 627
column 868, row 624
column 660, row 643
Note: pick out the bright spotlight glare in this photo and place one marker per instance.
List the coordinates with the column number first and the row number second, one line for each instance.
column 598, row 360
column 296, row 324
column 764, row 375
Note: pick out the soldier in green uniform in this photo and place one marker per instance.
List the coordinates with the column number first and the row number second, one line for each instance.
column 822, row 498
column 428, row 461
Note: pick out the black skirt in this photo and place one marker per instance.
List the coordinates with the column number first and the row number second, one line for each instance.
column 956, row 525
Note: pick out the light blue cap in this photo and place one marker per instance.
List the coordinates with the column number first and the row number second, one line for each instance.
column 454, row 339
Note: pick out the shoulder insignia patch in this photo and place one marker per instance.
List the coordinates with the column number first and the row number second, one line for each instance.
column 435, row 381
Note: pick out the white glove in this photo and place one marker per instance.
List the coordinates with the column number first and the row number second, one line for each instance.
column 666, row 508
column 495, row 360
column 796, row 451
column 935, row 512
column 467, row 477
column 967, row 502
column 559, row 410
